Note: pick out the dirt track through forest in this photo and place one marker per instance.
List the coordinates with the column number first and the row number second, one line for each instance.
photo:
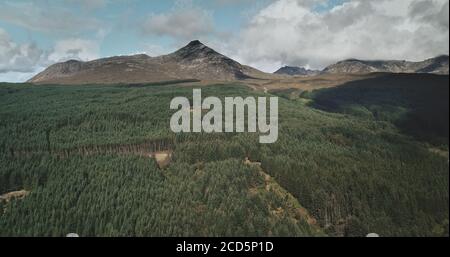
column 161, row 151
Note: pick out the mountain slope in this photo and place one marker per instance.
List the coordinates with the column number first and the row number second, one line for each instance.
column 194, row 61
column 437, row 65
column 296, row 71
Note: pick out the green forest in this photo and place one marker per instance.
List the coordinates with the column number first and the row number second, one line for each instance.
column 368, row 157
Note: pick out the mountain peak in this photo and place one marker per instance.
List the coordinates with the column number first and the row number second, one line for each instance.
column 195, row 43
column 293, row 71
column 193, row 61
column 72, row 61
column 195, row 50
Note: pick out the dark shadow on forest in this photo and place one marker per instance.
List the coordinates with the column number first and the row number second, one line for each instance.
column 418, row 104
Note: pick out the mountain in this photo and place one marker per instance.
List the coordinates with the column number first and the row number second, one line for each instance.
column 197, row 61
column 437, row 65
column 194, row 61
column 296, row 71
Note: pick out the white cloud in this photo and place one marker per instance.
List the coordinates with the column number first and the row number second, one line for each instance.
column 291, row 32
column 183, row 22
column 19, row 62
column 50, row 19
column 17, row 57
column 77, row 49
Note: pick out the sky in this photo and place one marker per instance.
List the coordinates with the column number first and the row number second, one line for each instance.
column 266, row 34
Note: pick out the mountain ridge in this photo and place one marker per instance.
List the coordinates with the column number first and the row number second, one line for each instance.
column 436, row 65
column 200, row 62
column 194, row 61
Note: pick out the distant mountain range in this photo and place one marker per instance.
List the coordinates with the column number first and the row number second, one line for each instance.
column 197, row 61
column 296, row 71
column 437, row 65
column 194, row 61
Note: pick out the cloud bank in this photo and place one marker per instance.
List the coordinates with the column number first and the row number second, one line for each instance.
column 56, row 23
column 292, row 32
column 28, row 58
column 17, row 57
